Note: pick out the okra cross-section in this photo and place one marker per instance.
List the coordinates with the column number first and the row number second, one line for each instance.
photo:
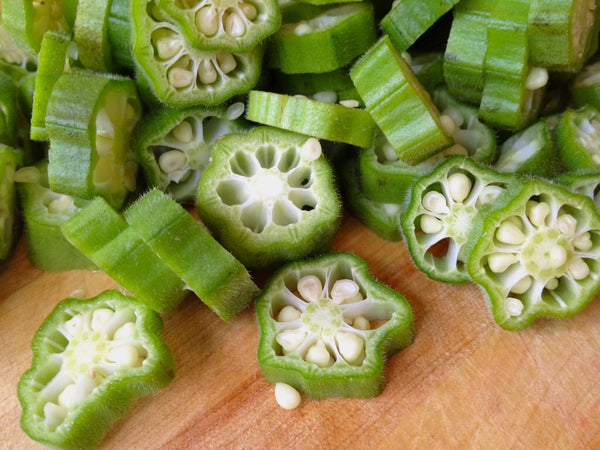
column 327, row 327
column 268, row 196
column 438, row 220
column 537, row 253
column 577, row 136
column 91, row 358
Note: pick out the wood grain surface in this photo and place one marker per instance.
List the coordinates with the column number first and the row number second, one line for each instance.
column 463, row 383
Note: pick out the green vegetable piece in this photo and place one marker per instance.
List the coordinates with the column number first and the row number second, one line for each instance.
column 577, row 135
column 8, row 110
column 327, row 86
column 10, row 160
column 585, row 89
column 91, row 358
column 173, row 71
column 104, row 236
column 119, row 34
column 44, row 211
column 235, row 26
column 209, row 270
column 331, row 38
column 428, row 67
column 536, row 253
column 174, row 146
column 12, row 55
column 89, row 120
column 438, row 220
column 389, row 89
column 326, row 327
column 586, row 183
column 407, row 20
column 90, row 33
column 330, row 121
column 268, row 196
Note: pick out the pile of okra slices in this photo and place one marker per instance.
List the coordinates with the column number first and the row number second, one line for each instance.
column 205, row 140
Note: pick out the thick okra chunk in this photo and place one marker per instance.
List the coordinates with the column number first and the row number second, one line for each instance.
column 91, row 359
column 13, row 54
column 268, row 196
column 438, row 220
column 577, row 137
column 173, row 71
column 233, row 25
column 89, row 119
column 327, row 327
column 320, row 119
column 10, row 160
column 537, row 253
column 217, row 278
column 90, row 34
column 174, row 146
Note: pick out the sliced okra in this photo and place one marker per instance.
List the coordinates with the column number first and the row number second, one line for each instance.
column 91, row 358
column 389, row 88
column 583, row 182
column 428, row 67
column 10, row 160
column 172, row 70
column 104, row 236
column 43, row 212
column 329, row 121
column 174, row 146
column 268, row 196
column 8, row 110
column 585, row 89
column 215, row 276
column 331, row 38
column 12, row 55
column 334, row 86
column 437, row 223
column 235, row 26
column 90, row 34
column 119, row 34
column 537, row 253
column 577, row 138
column 89, row 119
column 326, row 327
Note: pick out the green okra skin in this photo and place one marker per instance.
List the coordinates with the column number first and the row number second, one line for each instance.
column 585, row 89
column 536, row 253
column 407, row 20
column 336, row 81
column 428, row 67
column 119, row 35
column 215, row 276
column 389, row 89
column 8, row 110
column 583, row 182
column 13, row 58
column 10, row 160
column 331, row 38
column 329, row 121
column 91, row 359
column 43, row 212
column 174, row 146
column 104, row 236
column 577, row 138
column 438, row 219
column 309, row 313
column 269, row 196
column 90, row 34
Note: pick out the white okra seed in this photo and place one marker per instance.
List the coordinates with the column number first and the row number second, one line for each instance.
column 435, row 202
column 29, row 174
column 579, row 269
column 509, row 233
column 583, row 242
column 325, row 96
column 207, row 21
column 552, row 284
column 488, row 194
column 249, row 10
column 54, row 415
column 500, row 262
column 319, row 355
column 288, row 313
column 310, row 288
column 522, row 285
column 183, row 132
column 536, row 78
column 537, row 213
column 459, row 186
column 351, row 347
column 100, row 318
column 566, row 224
column 311, row 150
column 286, row 396
column 234, row 25
column 430, row 224
column 172, row 161
column 126, row 331
column 167, row 47
column 558, row 256
column 454, row 113
column 125, row 355
column 513, row 306
column 361, row 323
column 345, row 291
column 302, row 28
column 206, row 72
column 180, row 78
column 455, row 149
column 596, row 158
column 226, row 61
column 447, row 124
column 60, row 204
column 350, row 103
column 290, row 340
column 235, row 110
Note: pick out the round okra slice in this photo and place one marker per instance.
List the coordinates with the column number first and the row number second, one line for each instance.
column 10, row 160
column 584, row 182
column 91, row 358
column 174, row 146
column 438, row 220
column 89, row 119
column 326, row 327
column 537, row 253
column 171, row 70
column 585, row 89
column 331, row 38
column 329, row 121
column 232, row 25
column 577, row 138
column 269, row 196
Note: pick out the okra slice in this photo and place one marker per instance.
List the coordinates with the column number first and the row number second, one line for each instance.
column 89, row 119
column 91, row 358
column 585, row 89
column 268, row 196
column 104, row 236
column 330, row 121
column 174, row 146
column 389, row 89
column 577, row 135
column 332, row 87
column 170, row 69
column 584, row 182
column 90, row 34
column 536, row 253
column 407, row 20
column 12, row 55
column 10, row 160
column 43, row 213
column 327, row 326
column 331, row 38
column 215, row 276
column 8, row 110
column 443, row 204
column 428, row 67
column 119, row 34
column 235, row 26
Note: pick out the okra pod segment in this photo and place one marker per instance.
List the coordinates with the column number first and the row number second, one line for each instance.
column 10, row 160
column 585, row 89
column 8, row 110
column 577, row 135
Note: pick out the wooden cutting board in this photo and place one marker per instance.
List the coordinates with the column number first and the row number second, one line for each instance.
column 463, row 383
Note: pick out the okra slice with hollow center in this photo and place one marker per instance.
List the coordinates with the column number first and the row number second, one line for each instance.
column 537, row 253
column 91, row 358
column 327, row 326
column 439, row 216
column 177, row 73
column 233, row 25
column 268, row 196
column 577, row 137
